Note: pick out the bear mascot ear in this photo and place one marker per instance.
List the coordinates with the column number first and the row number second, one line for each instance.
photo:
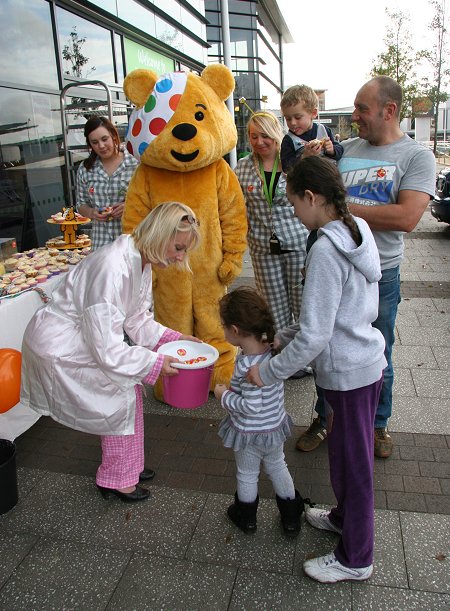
column 138, row 85
column 220, row 79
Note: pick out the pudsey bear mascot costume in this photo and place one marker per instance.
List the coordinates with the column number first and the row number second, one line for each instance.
column 179, row 131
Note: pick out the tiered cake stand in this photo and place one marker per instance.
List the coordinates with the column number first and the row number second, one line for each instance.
column 69, row 230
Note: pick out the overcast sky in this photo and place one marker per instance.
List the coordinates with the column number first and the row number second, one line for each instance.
column 336, row 42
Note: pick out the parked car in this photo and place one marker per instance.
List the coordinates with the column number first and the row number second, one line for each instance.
column 440, row 204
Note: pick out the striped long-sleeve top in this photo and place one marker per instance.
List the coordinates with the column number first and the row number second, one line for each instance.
column 253, row 411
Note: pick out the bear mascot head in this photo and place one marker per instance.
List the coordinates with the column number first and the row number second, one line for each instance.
column 180, row 130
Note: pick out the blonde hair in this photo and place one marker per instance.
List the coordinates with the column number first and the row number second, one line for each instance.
column 267, row 123
column 153, row 235
column 300, row 93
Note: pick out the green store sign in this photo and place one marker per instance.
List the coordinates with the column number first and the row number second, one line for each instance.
column 137, row 56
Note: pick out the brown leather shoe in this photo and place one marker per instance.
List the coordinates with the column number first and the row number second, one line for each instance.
column 383, row 443
column 312, row 437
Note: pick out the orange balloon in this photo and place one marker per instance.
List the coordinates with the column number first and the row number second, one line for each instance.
column 10, row 364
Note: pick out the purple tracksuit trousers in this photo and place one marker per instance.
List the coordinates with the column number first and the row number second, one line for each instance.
column 350, row 452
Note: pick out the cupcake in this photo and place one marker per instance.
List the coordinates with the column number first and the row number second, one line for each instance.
column 13, row 290
column 11, row 264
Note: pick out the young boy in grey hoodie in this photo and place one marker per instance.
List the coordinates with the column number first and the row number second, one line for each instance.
column 335, row 335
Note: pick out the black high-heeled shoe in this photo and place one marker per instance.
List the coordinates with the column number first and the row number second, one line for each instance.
column 147, row 475
column 140, row 494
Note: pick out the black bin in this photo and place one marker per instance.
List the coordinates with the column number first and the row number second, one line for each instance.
column 9, row 494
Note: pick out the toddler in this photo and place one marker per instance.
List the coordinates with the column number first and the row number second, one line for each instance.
column 299, row 106
column 257, row 424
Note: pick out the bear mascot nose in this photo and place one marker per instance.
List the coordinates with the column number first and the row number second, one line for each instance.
column 184, row 131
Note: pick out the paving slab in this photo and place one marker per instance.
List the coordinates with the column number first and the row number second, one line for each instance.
column 372, row 598
column 59, row 574
column 61, row 505
column 426, row 540
column 257, row 591
column 162, row 525
column 155, row 582
column 217, row 540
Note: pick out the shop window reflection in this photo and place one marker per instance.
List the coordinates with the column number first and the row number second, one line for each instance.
column 86, row 48
column 31, row 178
column 26, row 27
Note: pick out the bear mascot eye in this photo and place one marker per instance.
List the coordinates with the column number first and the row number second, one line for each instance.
column 199, row 116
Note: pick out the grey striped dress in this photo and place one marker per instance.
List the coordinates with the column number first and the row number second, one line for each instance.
column 255, row 415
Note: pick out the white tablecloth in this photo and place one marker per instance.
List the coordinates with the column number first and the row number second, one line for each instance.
column 15, row 314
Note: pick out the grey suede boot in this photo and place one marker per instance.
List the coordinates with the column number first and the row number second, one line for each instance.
column 244, row 514
column 291, row 512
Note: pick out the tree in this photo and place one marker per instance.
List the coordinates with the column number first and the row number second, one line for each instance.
column 399, row 60
column 438, row 59
column 72, row 53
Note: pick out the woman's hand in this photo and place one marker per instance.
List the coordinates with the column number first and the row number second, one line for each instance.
column 190, row 338
column 167, row 369
column 253, row 376
column 100, row 216
column 117, row 210
column 219, row 389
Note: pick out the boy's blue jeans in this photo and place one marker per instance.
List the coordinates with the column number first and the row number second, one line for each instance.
column 389, row 298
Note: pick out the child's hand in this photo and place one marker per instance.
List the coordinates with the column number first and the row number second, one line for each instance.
column 253, row 376
column 328, row 147
column 219, row 389
column 312, row 149
column 276, row 344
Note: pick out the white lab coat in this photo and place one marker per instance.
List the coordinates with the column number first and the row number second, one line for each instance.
column 76, row 366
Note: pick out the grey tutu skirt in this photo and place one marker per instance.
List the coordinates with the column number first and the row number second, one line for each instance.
column 238, row 440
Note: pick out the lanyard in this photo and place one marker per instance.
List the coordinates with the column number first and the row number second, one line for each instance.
column 268, row 192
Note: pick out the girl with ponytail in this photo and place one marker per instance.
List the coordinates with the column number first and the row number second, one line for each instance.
column 335, row 335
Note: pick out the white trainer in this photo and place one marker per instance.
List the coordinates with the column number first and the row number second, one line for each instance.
column 328, row 569
column 320, row 518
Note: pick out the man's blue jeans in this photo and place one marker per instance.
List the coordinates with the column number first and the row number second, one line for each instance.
column 389, row 298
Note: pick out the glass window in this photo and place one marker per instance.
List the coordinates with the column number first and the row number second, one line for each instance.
column 172, row 8
column 194, row 49
column 243, row 43
column 192, row 23
column 239, row 6
column 107, row 5
column 270, row 92
column 119, row 58
column 168, row 34
column 26, row 28
column 85, row 47
column 271, row 66
column 137, row 15
column 31, row 164
column 242, row 21
column 199, row 5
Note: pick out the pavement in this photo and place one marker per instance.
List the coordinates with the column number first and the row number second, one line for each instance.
column 64, row 547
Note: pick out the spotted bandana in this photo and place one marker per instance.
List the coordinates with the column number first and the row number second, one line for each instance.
column 147, row 123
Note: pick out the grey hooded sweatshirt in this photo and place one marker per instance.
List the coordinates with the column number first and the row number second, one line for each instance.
column 339, row 304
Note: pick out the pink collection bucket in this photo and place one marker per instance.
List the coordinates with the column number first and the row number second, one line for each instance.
column 190, row 388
